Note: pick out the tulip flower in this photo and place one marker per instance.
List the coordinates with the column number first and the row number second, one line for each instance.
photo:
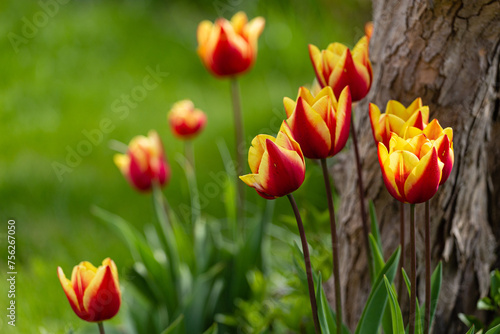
column 227, row 48
column 319, row 123
column 410, row 168
column 93, row 293
column 144, row 163
column 397, row 119
column 442, row 139
column 337, row 67
column 185, row 121
column 277, row 164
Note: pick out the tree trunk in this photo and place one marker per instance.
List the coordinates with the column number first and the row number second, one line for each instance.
column 448, row 53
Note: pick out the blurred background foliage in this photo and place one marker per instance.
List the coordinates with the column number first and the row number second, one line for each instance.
column 61, row 78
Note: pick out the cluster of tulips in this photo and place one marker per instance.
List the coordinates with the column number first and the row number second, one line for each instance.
column 415, row 155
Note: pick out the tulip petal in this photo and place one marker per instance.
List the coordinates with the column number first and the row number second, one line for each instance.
column 310, row 131
column 397, row 109
column 68, row 290
column 316, row 60
column 415, row 105
column 253, row 30
column 238, row 21
column 423, row 181
column 445, row 155
column 378, row 127
column 256, row 152
column 203, row 32
column 306, row 95
column 340, row 133
column 102, row 297
column 388, row 174
column 282, row 171
column 289, row 106
column 433, row 130
column 253, row 180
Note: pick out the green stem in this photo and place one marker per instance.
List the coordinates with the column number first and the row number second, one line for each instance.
column 335, row 252
column 191, row 178
column 240, row 147
column 307, row 260
column 402, row 243
column 101, row 327
column 427, row 268
column 361, row 196
column 413, row 275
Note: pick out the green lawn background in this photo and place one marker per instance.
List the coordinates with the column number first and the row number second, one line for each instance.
column 64, row 80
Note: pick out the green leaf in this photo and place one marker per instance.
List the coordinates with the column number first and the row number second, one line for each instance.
column 419, row 312
column 378, row 257
column 494, row 330
column 375, row 305
column 212, row 330
column 485, row 304
column 326, row 321
column 376, row 235
column 495, row 285
column 175, row 326
column 436, row 280
column 471, row 330
column 470, row 320
column 397, row 317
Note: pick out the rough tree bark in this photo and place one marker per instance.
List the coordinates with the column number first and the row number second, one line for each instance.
column 448, row 53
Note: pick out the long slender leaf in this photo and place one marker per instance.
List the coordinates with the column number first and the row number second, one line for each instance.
column 374, row 225
column 378, row 257
column 175, row 326
column 397, row 317
column 436, row 279
column 494, row 330
column 327, row 318
column 374, row 308
column 419, row 320
column 471, row 330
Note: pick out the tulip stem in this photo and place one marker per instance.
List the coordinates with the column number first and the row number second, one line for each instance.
column 307, row 260
column 191, row 178
column 413, row 275
column 240, row 147
column 427, row 268
column 101, row 327
column 335, row 252
column 361, row 197
column 402, row 243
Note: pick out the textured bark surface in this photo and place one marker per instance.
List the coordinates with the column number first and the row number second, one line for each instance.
column 448, row 53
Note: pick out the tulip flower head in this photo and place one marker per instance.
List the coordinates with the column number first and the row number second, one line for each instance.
column 337, row 67
column 144, row 163
column 411, row 168
column 319, row 123
column 277, row 164
column 228, row 48
column 93, row 293
column 185, row 120
column 442, row 139
column 397, row 119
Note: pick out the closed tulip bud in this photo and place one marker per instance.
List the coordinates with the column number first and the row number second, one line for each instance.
column 319, row 123
column 277, row 164
column 227, row 48
column 337, row 67
column 145, row 162
column 185, row 121
column 410, row 168
column 442, row 139
column 397, row 119
column 93, row 293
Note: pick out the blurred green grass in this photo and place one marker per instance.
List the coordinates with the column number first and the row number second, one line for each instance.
column 65, row 79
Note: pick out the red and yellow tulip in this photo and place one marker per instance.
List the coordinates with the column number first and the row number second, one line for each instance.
column 411, row 168
column 93, row 293
column 442, row 139
column 397, row 119
column 337, row 67
column 319, row 123
column 277, row 164
column 185, row 120
column 227, row 48
column 144, row 163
